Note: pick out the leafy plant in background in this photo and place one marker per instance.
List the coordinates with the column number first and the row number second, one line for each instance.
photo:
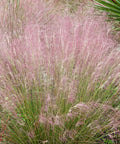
column 112, row 7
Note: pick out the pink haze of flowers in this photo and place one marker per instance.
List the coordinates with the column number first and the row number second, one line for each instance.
column 56, row 52
column 64, row 44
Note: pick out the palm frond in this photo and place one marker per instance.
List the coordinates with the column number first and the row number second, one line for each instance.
column 112, row 7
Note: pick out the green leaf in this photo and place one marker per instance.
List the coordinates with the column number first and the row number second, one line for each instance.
column 109, row 5
column 108, row 10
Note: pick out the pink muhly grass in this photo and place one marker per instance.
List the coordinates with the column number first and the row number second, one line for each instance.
column 50, row 73
column 63, row 48
column 108, row 117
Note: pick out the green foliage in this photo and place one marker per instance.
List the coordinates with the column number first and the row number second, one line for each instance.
column 112, row 7
column 26, row 127
column 107, row 141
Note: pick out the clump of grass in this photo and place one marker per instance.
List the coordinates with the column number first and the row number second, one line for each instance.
column 59, row 81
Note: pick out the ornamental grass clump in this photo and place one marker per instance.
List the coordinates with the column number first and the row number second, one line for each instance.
column 59, row 81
